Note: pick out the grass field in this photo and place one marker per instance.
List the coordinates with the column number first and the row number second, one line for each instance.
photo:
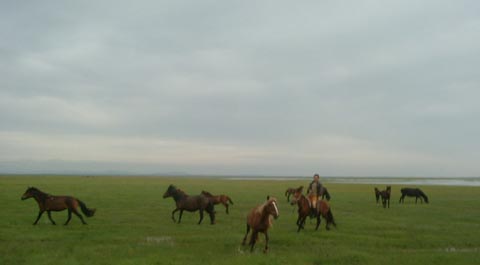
column 133, row 226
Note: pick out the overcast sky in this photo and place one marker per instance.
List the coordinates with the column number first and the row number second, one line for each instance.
column 365, row 88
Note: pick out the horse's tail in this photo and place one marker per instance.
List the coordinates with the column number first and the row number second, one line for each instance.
column 330, row 218
column 230, row 200
column 287, row 192
column 88, row 212
column 425, row 198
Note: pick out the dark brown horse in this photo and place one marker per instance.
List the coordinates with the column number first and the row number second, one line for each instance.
column 304, row 210
column 217, row 199
column 259, row 220
column 377, row 194
column 385, row 195
column 413, row 192
column 48, row 203
column 190, row 203
column 291, row 191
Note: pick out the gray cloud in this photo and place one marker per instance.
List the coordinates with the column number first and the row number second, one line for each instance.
column 351, row 88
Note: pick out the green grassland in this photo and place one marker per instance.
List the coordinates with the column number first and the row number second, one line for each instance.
column 132, row 225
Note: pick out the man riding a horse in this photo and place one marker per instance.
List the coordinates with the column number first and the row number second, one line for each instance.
column 314, row 191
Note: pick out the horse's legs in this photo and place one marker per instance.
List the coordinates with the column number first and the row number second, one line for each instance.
column 173, row 214
column 50, row 217
column 246, row 234
column 201, row 216
column 416, row 198
column 69, row 217
column 79, row 215
column 253, row 239
column 319, row 220
column 180, row 216
column 38, row 217
column 299, row 223
column 266, row 242
column 401, row 198
column 226, row 206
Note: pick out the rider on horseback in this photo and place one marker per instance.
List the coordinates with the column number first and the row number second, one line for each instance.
column 313, row 192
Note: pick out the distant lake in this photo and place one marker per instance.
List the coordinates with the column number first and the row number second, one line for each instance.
column 445, row 181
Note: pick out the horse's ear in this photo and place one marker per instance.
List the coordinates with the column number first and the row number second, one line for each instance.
column 268, row 197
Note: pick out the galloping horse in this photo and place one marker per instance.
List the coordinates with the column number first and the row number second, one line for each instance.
column 291, row 191
column 216, row 199
column 48, row 203
column 417, row 193
column 304, row 210
column 259, row 220
column 385, row 195
column 190, row 203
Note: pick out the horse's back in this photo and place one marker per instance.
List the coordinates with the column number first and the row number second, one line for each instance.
column 196, row 202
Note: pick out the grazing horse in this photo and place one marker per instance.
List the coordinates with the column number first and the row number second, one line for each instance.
column 291, row 191
column 410, row 192
column 259, row 220
column 48, row 203
column 304, row 210
column 216, row 199
column 385, row 195
column 189, row 203
column 377, row 194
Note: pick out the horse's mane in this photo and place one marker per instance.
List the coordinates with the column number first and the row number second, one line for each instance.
column 261, row 207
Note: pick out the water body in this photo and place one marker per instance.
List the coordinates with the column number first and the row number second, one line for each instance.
column 444, row 181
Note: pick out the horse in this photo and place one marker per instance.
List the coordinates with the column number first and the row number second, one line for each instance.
column 48, row 203
column 324, row 193
column 189, row 203
column 216, row 199
column 259, row 220
column 377, row 193
column 291, row 191
column 322, row 209
column 385, row 195
column 417, row 193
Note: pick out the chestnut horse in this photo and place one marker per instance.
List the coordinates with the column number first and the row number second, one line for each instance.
column 259, row 220
column 304, row 210
column 189, row 203
column 291, row 191
column 216, row 199
column 48, row 203
column 385, row 195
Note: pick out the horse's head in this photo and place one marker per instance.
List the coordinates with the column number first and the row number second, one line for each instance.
column 29, row 193
column 170, row 190
column 271, row 207
column 296, row 195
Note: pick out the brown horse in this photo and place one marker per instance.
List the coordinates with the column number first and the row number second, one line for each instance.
column 291, row 191
column 259, row 220
column 304, row 210
column 190, row 203
column 216, row 199
column 377, row 194
column 385, row 195
column 48, row 203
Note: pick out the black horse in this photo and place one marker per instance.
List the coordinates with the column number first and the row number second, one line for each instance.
column 411, row 192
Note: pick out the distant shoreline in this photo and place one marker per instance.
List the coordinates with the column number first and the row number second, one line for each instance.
column 437, row 181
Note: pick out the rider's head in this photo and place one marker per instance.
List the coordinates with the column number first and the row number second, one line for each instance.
column 316, row 177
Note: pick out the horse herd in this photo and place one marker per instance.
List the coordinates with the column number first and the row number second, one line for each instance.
column 409, row 192
column 259, row 219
